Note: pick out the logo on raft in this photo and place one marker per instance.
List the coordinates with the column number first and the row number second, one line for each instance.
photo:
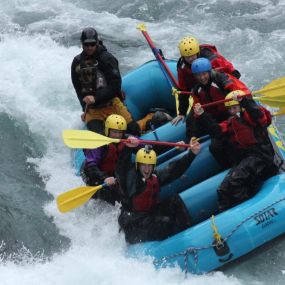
column 265, row 218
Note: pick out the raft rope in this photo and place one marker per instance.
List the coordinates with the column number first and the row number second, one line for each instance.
column 217, row 236
column 194, row 250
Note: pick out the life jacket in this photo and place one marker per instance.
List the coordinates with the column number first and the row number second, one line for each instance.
column 218, row 62
column 149, row 198
column 90, row 76
column 244, row 132
column 212, row 94
column 186, row 78
column 110, row 158
column 227, row 82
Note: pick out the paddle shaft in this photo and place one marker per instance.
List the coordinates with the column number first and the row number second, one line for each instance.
column 159, row 58
column 85, row 112
column 266, row 89
column 222, row 101
column 158, row 143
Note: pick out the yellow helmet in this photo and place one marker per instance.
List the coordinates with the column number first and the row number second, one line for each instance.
column 189, row 46
column 115, row 122
column 146, row 156
column 230, row 95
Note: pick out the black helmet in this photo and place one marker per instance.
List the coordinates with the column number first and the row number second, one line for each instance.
column 89, row 35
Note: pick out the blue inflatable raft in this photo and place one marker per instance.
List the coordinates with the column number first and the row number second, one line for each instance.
column 211, row 242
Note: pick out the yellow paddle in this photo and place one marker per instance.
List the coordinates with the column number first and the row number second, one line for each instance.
column 280, row 112
column 273, row 94
column 85, row 139
column 76, row 197
column 88, row 139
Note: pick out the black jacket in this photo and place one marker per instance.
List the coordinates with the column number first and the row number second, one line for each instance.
column 131, row 181
column 107, row 64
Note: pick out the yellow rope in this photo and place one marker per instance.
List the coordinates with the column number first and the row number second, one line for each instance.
column 216, row 235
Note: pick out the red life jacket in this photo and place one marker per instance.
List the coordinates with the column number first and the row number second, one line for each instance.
column 221, row 85
column 218, row 62
column 213, row 95
column 243, row 131
column 231, row 83
column 185, row 76
column 110, row 158
column 149, row 198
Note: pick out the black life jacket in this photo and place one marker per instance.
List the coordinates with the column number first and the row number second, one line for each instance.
column 90, row 76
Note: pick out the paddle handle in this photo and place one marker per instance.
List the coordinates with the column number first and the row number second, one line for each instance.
column 159, row 57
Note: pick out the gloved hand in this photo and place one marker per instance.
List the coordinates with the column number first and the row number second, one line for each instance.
column 198, row 110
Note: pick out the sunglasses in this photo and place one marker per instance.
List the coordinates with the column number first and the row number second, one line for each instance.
column 89, row 44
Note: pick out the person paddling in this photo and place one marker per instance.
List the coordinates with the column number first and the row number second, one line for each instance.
column 100, row 163
column 251, row 150
column 190, row 50
column 144, row 216
column 211, row 86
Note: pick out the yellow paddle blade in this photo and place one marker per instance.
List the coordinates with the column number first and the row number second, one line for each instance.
column 279, row 113
column 278, row 102
column 275, row 88
column 75, row 197
column 85, row 139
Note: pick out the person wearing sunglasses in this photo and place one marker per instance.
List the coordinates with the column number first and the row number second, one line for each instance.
column 97, row 81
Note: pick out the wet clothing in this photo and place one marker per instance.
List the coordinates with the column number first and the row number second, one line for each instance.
column 219, row 86
column 156, row 118
column 187, row 80
column 144, row 216
column 252, row 153
column 168, row 218
column 99, row 164
column 99, row 76
column 85, row 70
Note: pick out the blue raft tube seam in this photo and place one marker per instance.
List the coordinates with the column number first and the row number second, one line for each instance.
column 194, row 250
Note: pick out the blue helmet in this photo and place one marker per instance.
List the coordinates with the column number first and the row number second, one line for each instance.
column 201, row 64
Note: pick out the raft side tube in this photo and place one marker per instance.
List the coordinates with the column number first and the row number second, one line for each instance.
column 153, row 91
column 244, row 228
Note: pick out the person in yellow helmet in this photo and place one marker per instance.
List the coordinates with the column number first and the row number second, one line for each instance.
column 144, row 216
column 190, row 50
column 99, row 165
column 251, row 151
column 97, row 81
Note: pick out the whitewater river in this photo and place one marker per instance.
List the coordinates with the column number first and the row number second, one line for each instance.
column 38, row 40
